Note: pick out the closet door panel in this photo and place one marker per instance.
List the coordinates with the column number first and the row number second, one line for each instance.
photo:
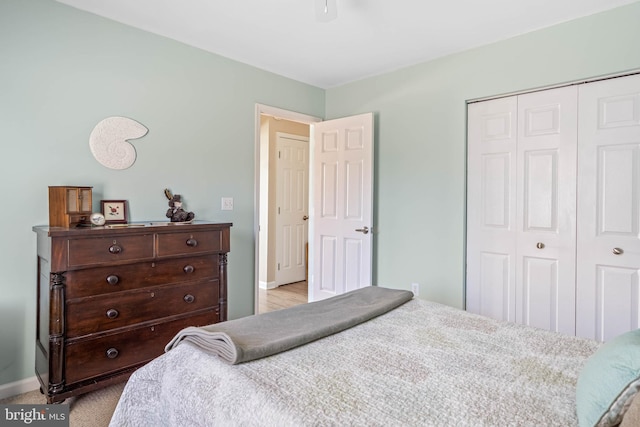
column 540, row 191
column 608, row 256
column 546, row 209
column 616, row 301
column 540, row 293
column 491, row 210
column 495, row 293
column 617, row 190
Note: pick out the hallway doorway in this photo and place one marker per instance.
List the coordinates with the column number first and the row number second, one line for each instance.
column 281, row 240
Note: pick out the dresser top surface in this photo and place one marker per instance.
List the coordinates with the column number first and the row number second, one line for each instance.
column 134, row 227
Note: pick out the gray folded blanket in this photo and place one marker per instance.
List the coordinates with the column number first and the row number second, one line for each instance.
column 254, row 337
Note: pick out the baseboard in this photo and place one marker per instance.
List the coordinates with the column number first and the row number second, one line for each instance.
column 267, row 285
column 19, row 387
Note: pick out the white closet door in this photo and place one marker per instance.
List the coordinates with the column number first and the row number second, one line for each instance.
column 546, row 209
column 491, row 208
column 608, row 260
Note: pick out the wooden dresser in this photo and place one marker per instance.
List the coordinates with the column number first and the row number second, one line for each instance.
column 110, row 299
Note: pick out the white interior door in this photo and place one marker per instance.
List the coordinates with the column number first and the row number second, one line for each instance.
column 546, row 209
column 608, row 297
column 292, row 200
column 491, row 203
column 342, row 218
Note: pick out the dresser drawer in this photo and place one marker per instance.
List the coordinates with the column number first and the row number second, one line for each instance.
column 187, row 243
column 101, row 313
column 92, row 357
column 104, row 250
column 116, row 278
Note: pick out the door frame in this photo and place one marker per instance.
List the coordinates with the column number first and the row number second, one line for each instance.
column 261, row 109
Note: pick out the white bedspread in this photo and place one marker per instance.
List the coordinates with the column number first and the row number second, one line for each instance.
column 422, row 364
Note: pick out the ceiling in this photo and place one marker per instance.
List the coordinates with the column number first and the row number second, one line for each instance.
column 367, row 38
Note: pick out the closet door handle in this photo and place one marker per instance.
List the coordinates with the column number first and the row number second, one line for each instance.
column 540, row 245
column 617, row 251
column 363, row 230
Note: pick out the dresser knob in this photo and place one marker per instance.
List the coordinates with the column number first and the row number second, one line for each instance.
column 188, row 269
column 115, row 249
column 188, row 298
column 617, row 251
column 112, row 353
column 112, row 279
column 192, row 242
column 112, row 313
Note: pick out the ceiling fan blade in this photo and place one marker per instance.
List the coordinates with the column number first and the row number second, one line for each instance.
column 326, row 10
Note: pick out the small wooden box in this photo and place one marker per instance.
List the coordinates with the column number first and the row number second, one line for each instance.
column 69, row 206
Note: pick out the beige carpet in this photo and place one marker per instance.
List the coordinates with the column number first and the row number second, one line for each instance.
column 87, row 410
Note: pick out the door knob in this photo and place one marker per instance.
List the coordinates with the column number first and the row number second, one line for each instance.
column 617, row 251
column 540, row 245
column 304, row 218
column 363, row 230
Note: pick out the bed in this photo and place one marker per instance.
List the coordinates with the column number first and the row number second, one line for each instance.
column 418, row 364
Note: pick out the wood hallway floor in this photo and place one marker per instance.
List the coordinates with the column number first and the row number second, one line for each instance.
column 282, row 297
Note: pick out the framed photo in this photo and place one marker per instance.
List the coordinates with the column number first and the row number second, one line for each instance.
column 114, row 211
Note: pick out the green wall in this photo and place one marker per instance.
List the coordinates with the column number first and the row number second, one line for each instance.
column 421, row 136
column 63, row 70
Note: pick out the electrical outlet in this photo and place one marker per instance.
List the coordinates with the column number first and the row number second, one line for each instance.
column 227, row 204
column 415, row 288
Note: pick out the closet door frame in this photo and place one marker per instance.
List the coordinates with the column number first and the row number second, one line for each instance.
column 606, row 285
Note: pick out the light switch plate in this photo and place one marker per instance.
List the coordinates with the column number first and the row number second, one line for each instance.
column 227, row 204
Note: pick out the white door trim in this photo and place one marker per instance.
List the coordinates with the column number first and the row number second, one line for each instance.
column 261, row 109
column 555, row 86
